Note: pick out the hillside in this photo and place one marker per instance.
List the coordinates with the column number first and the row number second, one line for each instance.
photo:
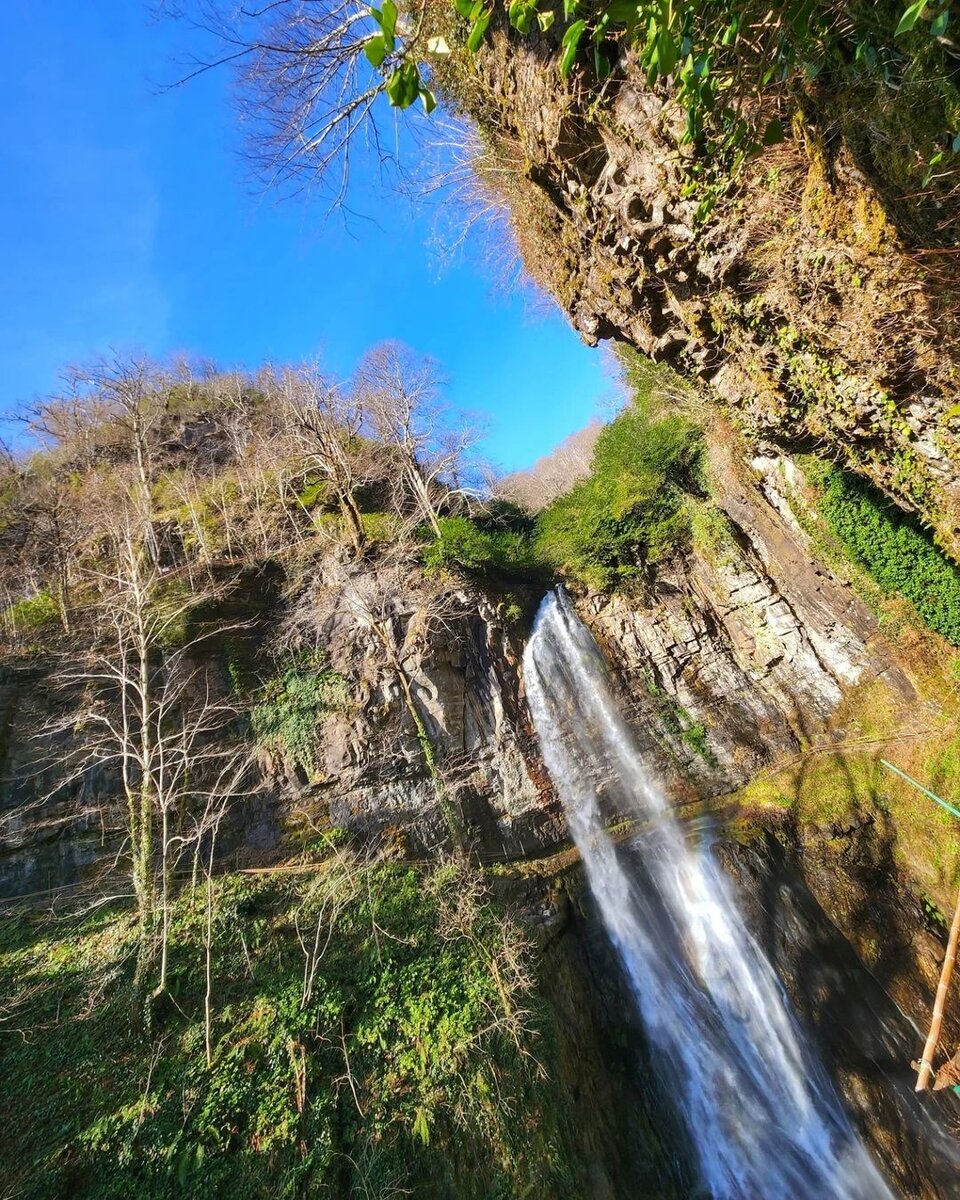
column 287, row 884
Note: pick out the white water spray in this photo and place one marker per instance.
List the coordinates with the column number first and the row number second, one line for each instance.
column 760, row 1112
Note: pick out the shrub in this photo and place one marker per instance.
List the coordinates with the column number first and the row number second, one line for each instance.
column 629, row 511
column 893, row 548
column 461, row 543
column 36, row 612
column 482, row 544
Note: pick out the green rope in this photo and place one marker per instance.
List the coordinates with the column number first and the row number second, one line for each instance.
column 920, row 787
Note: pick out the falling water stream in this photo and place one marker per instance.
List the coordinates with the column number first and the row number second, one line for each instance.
column 764, row 1119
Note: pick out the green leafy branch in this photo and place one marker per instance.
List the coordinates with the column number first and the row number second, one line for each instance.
column 405, row 84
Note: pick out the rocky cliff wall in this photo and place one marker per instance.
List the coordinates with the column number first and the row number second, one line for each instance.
column 732, row 659
column 811, row 308
column 746, row 650
column 462, row 662
column 457, row 656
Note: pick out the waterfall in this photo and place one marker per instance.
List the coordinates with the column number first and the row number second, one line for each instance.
column 763, row 1117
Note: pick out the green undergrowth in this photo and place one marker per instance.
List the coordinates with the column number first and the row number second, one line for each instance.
column 374, row 1033
column 497, row 541
column 844, row 785
column 629, row 512
column 633, row 510
column 37, row 612
column 894, row 549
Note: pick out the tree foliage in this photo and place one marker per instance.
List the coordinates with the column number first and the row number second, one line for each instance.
column 312, row 74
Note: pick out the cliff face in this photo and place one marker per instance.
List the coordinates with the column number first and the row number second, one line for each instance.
column 752, row 641
column 744, row 656
column 733, row 659
column 462, row 663
column 448, row 645
column 814, row 311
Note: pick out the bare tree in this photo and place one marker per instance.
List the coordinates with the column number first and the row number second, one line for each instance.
column 57, row 533
column 113, row 399
column 239, row 404
column 42, row 529
column 151, row 716
column 555, row 473
column 307, row 89
column 401, row 394
column 114, row 405
column 328, row 420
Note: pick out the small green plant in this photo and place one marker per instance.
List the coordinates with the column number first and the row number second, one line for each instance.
column 711, row 534
column 33, row 614
column 513, row 613
column 678, row 723
column 287, row 715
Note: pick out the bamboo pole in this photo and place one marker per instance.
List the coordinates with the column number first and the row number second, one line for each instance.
column 933, row 1037
column 936, row 1021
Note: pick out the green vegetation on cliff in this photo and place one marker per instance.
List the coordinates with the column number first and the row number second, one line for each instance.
column 289, row 708
column 891, row 546
column 629, row 512
column 373, row 1031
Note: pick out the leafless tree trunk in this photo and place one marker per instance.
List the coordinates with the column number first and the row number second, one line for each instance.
column 148, row 712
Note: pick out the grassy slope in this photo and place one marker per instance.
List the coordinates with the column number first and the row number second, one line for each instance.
column 416, row 1061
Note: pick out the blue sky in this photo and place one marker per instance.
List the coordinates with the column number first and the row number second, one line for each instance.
column 126, row 222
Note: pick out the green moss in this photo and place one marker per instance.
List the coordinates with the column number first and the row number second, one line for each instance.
column 287, row 715
column 844, row 785
column 412, row 1060
column 33, row 614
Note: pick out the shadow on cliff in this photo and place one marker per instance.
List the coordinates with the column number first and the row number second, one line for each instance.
column 846, row 935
